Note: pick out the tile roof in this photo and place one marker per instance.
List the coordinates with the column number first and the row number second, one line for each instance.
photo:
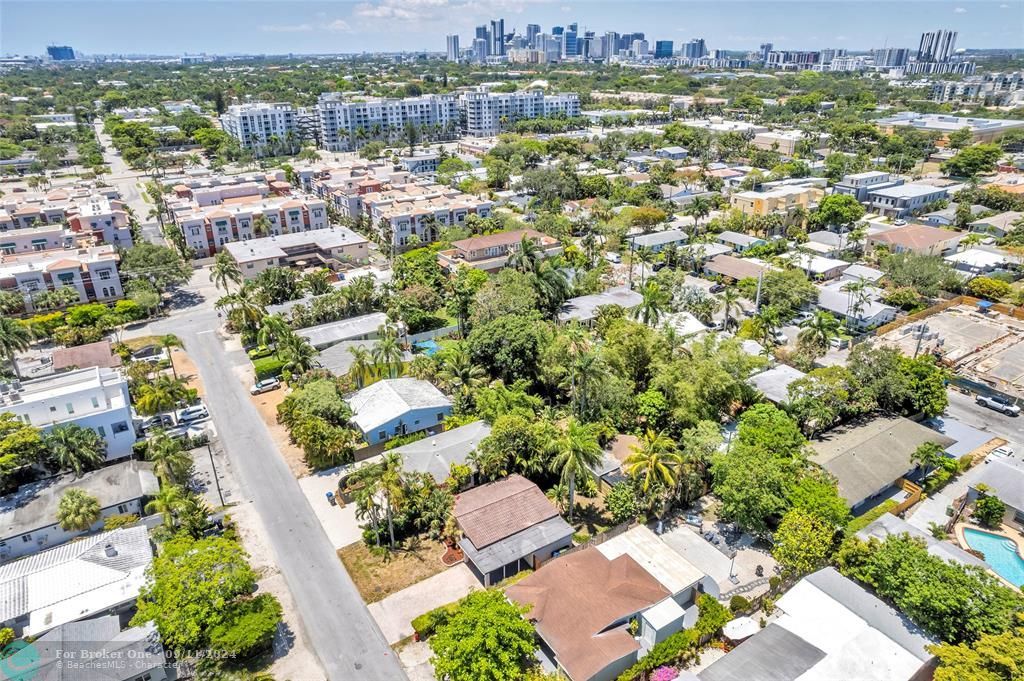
column 500, row 509
column 97, row 354
column 915, row 236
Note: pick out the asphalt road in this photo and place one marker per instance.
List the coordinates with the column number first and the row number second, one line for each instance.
column 963, row 408
column 346, row 639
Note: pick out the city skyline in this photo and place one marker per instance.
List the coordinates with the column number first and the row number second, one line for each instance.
column 300, row 27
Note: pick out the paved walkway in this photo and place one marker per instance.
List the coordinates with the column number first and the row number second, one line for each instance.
column 339, row 522
column 395, row 613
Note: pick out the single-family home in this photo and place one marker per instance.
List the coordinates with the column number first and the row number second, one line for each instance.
column 919, row 239
column 998, row 225
column 98, row 354
column 585, row 308
column 393, row 407
column 1003, row 478
column 829, row 627
column 739, row 242
column 659, row 241
column 947, row 216
column 586, row 606
column 734, row 268
column 98, row 575
column 859, row 272
column 508, row 526
column 860, row 310
column 338, row 359
column 774, row 383
column 873, row 457
column 491, row 252
column 700, row 253
column 673, row 153
column 902, row 200
column 818, row 267
column 98, row 649
column 683, row 324
column 362, row 327
column 978, row 261
column 28, row 517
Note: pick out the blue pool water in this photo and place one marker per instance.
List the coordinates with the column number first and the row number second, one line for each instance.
column 1000, row 553
column 429, row 347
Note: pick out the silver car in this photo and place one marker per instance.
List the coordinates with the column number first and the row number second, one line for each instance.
column 998, row 403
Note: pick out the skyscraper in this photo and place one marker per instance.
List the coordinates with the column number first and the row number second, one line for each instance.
column 531, row 35
column 479, row 50
column 569, row 42
column 663, row 49
column 764, row 49
column 498, row 36
column 937, row 46
column 557, row 30
column 610, row 46
column 453, row 47
column 60, row 53
column 483, row 34
column 695, row 49
column 891, row 56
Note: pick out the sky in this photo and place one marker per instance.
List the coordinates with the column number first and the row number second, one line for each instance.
column 301, row 26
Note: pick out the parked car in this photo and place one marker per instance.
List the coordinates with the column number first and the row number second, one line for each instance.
column 196, row 412
column 190, row 432
column 158, row 421
column 998, row 403
column 899, row 223
column 802, row 317
column 613, row 258
column 716, row 288
column 1003, row 451
column 264, row 386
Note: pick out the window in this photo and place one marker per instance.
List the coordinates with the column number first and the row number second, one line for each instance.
column 70, row 407
column 122, row 508
column 104, row 275
column 382, row 435
column 440, row 416
column 101, row 430
column 248, row 265
column 52, row 409
column 26, row 538
column 119, row 427
column 95, row 403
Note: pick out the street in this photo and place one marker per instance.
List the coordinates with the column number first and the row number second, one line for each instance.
column 963, row 408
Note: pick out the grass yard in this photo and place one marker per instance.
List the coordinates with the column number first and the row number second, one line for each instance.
column 379, row 574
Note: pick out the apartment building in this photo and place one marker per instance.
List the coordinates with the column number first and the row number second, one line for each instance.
column 780, row 200
column 335, row 247
column 859, row 185
column 82, row 212
column 92, row 272
column 491, row 252
column 343, row 186
column 902, row 200
column 208, row 228
column 95, row 398
column 487, row 113
column 785, row 141
column 346, row 123
column 421, row 211
column 255, row 123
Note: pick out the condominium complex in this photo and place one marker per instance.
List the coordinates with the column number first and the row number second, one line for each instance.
column 346, row 123
column 781, row 200
column 92, row 272
column 253, row 125
column 417, row 213
column 95, row 398
column 62, row 217
column 335, row 248
column 486, row 113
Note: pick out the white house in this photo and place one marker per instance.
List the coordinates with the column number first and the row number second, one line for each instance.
column 866, row 313
column 398, row 406
column 95, row 398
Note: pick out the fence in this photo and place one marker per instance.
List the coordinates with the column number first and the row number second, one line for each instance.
column 434, row 333
column 1009, row 310
column 600, row 538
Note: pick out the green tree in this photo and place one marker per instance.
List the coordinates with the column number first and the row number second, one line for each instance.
column 74, row 448
column 989, row 510
column 974, row 160
column 993, row 657
column 21, row 444
column 298, row 355
column 486, row 637
column 958, row 139
column 576, row 452
column 15, row 337
column 159, row 264
column 170, row 461
column 653, row 303
column 819, row 330
column 803, row 541
column 838, row 210
column 249, row 627
column 163, row 394
column 621, row 503
column 818, row 495
column 225, row 271
column 989, row 288
column 77, row 510
column 654, row 463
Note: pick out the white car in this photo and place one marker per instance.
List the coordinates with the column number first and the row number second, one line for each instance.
column 264, row 386
column 613, row 258
column 998, row 403
column 1003, row 451
column 197, row 412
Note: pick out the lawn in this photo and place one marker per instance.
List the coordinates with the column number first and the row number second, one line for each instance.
column 379, row 574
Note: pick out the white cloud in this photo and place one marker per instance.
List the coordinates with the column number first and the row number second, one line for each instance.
column 841, row 38
column 960, row 10
column 402, row 10
column 286, row 28
column 339, row 26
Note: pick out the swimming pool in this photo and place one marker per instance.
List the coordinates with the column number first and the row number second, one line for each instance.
column 1000, row 553
column 429, row 347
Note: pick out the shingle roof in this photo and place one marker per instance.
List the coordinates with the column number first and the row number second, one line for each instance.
column 734, row 268
column 915, row 236
column 773, row 654
column 96, row 354
column 436, row 454
column 500, row 509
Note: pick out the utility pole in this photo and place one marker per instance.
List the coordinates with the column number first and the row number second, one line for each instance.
column 757, row 297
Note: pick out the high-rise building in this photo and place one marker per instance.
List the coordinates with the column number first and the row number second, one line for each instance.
column 764, row 49
column 482, row 33
column 341, row 119
column 695, row 49
column 453, row 47
column 575, row 27
column 662, row 49
column 830, row 53
column 640, row 48
column 253, row 124
column 484, row 110
column 586, row 45
column 937, row 46
column 610, row 44
column 532, row 30
column 570, row 43
column 498, row 37
column 557, row 30
column 60, row 53
column 479, row 50
column 891, row 57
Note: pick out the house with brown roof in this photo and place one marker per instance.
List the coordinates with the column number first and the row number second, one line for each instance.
column 731, row 267
column 919, row 239
column 507, row 526
column 491, row 252
column 599, row 610
column 98, row 354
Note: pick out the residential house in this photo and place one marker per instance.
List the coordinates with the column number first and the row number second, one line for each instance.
column 919, row 239
column 491, row 252
column 508, row 526
column 738, row 241
column 858, row 272
column 97, row 576
column 998, row 225
column 683, row 324
column 947, row 216
column 861, row 311
column 1004, row 478
column 817, row 267
column 338, row 358
column 859, row 185
column 659, row 241
column 336, row 248
column 829, row 627
column 873, row 457
column 672, row 153
column 586, row 605
column 95, row 398
column 393, row 407
column 92, row 273
column 586, row 308
column 903, row 200
column 774, row 383
column 781, row 200
column 363, row 327
column 98, row 354
column 979, row 261
column 889, row 525
column 98, row 649
column 28, row 517
column 734, row 268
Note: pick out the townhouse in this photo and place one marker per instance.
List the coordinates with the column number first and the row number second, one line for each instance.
column 858, row 185
column 421, row 211
column 62, row 217
column 335, row 248
column 92, row 272
column 900, row 201
column 780, row 200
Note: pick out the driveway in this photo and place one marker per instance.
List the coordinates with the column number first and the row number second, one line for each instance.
column 339, row 522
column 395, row 613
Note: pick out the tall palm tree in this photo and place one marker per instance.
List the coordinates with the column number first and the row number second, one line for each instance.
column 859, row 296
column 363, row 367
column 653, row 303
column 460, row 375
column 225, row 271
column 766, row 323
column 730, row 299
column 273, row 328
column 167, row 501
column 14, row 337
column 298, row 355
column 576, row 452
column 74, row 448
column 387, row 353
column 527, row 257
column 820, row 329
column 162, row 394
column 168, row 341
column 171, row 462
column 260, row 225
column 77, row 510
column 552, row 287
column 392, row 487
column 644, row 256
column 654, row 461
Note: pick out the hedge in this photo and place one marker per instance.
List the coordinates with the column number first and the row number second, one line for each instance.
column 426, row 624
column 268, row 367
column 860, row 522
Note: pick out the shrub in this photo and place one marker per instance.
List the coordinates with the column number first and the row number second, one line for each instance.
column 268, row 367
column 681, row 647
column 621, row 503
column 774, row 582
column 113, row 522
column 6, row 637
column 989, row 511
column 248, row 627
column 860, row 522
column 738, row 604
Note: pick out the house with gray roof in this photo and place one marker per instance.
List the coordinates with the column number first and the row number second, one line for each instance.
column 658, row 241
column 28, row 517
column 436, row 454
column 397, row 406
column 338, row 358
column 739, row 242
column 97, row 575
column 848, row 308
column 78, row 651
column 1004, row 478
column 829, row 627
column 888, row 525
column 585, row 308
column 774, row 383
column 354, row 328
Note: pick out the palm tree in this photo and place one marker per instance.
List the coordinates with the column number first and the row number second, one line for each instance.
column 820, row 329
column 460, row 375
column 576, row 452
column 859, row 295
column 167, row 501
column 699, row 209
column 655, row 460
column 527, row 257
column 170, row 461
column 168, row 341
column 260, row 225
column 14, row 337
column 74, row 448
column 318, row 282
column 552, row 287
column 766, row 324
column 653, row 303
column 644, row 256
column 730, row 299
column 387, row 353
column 162, row 394
column 298, row 355
column 225, row 271
column 363, row 368
column 77, row 510
column 392, row 487
column 273, row 328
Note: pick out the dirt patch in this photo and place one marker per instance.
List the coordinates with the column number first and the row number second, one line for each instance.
column 378, row 575
column 266, row 405
column 590, row 516
column 186, row 368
